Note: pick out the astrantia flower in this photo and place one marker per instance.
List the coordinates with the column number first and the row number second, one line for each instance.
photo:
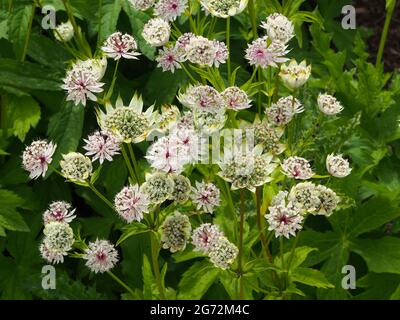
column 209, row 121
column 279, row 28
column 192, row 145
column 305, row 197
column 102, row 145
column 295, row 75
column 168, row 59
column 222, row 253
column 142, row 5
column 158, row 187
column 204, row 235
column 283, row 111
column 268, row 136
column 59, row 211
column 76, row 167
column 167, row 118
column 186, row 121
column 183, row 41
column 175, row 232
column 201, row 51
column 202, row 97
column 51, row 256
column 224, row 8
column 81, row 85
column 37, row 157
column 131, row 203
column 235, row 98
column 328, row 201
column 182, row 188
column 263, row 53
column 96, row 66
column 64, row 32
column 297, row 168
column 59, row 237
column 120, row 45
column 337, row 166
column 221, row 53
column 205, row 196
column 329, row 105
column 101, row 256
column 170, row 9
column 156, row 32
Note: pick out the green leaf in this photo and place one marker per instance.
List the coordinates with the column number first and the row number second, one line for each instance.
column 148, row 279
column 109, row 14
column 378, row 286
column 20, row 114
column 162, row 86
column 132, row 229
column 9, row 217
column 311, row 277
column 299, row 256
column 196, row 280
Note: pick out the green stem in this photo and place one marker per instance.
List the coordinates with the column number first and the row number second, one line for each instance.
column 55, row 170
column 228, row 45
column 260, row 225
column 28, row 34
column 385, row 32
column 252, row 13
column 128, row 163
column 240, row 254
column 114, row 78
column 135, row 164
column 156, row 267
column 232, row 207
column 112, row 275
column 100, row 195
column 188, row 73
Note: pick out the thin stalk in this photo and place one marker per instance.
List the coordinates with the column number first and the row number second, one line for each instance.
column 128, row 163
column 156, row 267
column 240, row 254
column 228, row 45
column 385, row 32
column 188, row 73
column 232, row 207
column 260, row 225
column 55, row 170
column 101, row 196
column 283, row 260
column 252, row 13
column 135, row 164
column 114, row 78
column 112, row 275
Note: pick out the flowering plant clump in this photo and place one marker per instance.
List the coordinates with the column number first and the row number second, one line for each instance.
column 196, row 149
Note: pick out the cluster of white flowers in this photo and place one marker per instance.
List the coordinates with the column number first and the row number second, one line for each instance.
column 156, row 32
column 175, row 232
column 224, row 8
column 182, row 188
column 37, row 157
column 297, row 168
column 337, row 166
column 283, row 111
column 59, row 211
column 329, row 105
column 100, row 256
column 268, row 137
column 131, row 203
column 158, row 187
column 205, row 196
column 169, row 10
column 120, row 45
column 102, row 145
column 294, row 75
column 76, row 167
column 64, row 32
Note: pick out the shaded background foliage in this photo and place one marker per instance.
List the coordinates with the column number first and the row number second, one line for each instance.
column 365, row 233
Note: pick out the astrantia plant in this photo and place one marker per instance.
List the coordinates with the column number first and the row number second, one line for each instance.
column 197, row 149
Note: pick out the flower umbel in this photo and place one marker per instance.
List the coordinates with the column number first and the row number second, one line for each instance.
column 120, row 45
column 100, row 256
column 175, row 232
column 131, row 203
column 37, row 157
column 102, row 145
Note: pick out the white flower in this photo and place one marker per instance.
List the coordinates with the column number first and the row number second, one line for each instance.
column 52, row 256
column 156, row 32
column 201, row 51
column 175, row 231
column 101, row 256
column 142, row 5
column 37, row 157
column 96, row 66
column 268, row 136
column 329, row 105
column 102, row 145
column 64, row 32
column 170, row 9
column 297, row 168
column 263, row 53
column 59, row 211
column 224, row 8
column 120, row 45
column 305, row 197
column 235, row 98
column 337, row 166
column 192, row 145
column 182, row 188
column 183, row 41
column 328, row 201
column 204, row 236
column 208, row 121
column 222, row 253
column 295, row 75
column 202, row 97
column 158, row 187
column 167, row 118
column 131, row 203
column 59, row 237
column 283, row 111
column 279, row 28
column 76, row 167
column 221, row 53
column 206, row 196
column 284, row 220
column 168, row 59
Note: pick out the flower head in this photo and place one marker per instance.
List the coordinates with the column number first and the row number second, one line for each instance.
column 101, row 256
column 120, row 45
column 59, row 237
column 131, row 203
column 182, row 188
column 156, row 32
column 142, row 5
column 263, row 53
column 337, row 166
column 37, row 157
column 52, row 256
column 96, row 66
column 76, row 167
column 204, row 236
column 222, row 253
column 283, row 111
column 221, row 53
column 64, row 32
column 169, row 10
column 328, row 201
column 206, row 196
column 268, row 137
column 329, row 105
column 224, row 8
column 175, row 232
column 102, row 145
column 278, row 27
column 297, row 168
column 305, row 197
column 167, row 118
column 59, row 211
column 201, row 51
column 202, row 97
column 168, row 59
column 235, row 98
column 158, row 187
column 295, row 75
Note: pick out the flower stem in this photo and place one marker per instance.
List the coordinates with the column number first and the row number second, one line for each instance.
column 128, row 163
column 135, row 164
column 101, row 196
column 264, row 242
column 188, row 73
column 112, row 275
column 156, row 267
column 114, row 78
column 252, row 13
column 228, row 45
column 232, row 207
column 385, row 31
column 240, row 254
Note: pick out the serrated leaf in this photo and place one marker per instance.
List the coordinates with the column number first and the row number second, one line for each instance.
column 132, row 229
column 148, row 279
column 311, row 277
column 19, row 29
column 9, row 217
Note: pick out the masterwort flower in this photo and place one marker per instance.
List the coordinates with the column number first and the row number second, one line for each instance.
column 120, row 45
column 76, row 167
column 201, row 51
column 37, row 157
column 182, row 188
column 235, row 98
column 329, row 105
column 101, row 256
column 202, row 97
column 279, row 28
column 64, row 32
column 142, row 5
column 167, row 118
column 268, row 136
column 59, row 237
column 156, row 32
column 221, row 53
column 168, row 59
column 102, row 145
column 51, row 256
column 224, row 8
column 295, row 75
column 169, row 10
column 175, row 232
column 283, row 111
column 131, row 203
column 263, row 52
column 59, row 211
column 204, row 235
column 158, row 187
column 222, row 253
column 328, row 201
column 337, row 166
column 305, row 197
column 206, row 196
column 297, row 168
column 96, row 66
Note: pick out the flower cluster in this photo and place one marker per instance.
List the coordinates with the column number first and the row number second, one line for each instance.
column 297, row 168
column 37, row 157
column 175, row 232
column 205, row 196
column 76, row 167
column 102, row 145
column 131, row 203
column 100, row 256
column 119, row 46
